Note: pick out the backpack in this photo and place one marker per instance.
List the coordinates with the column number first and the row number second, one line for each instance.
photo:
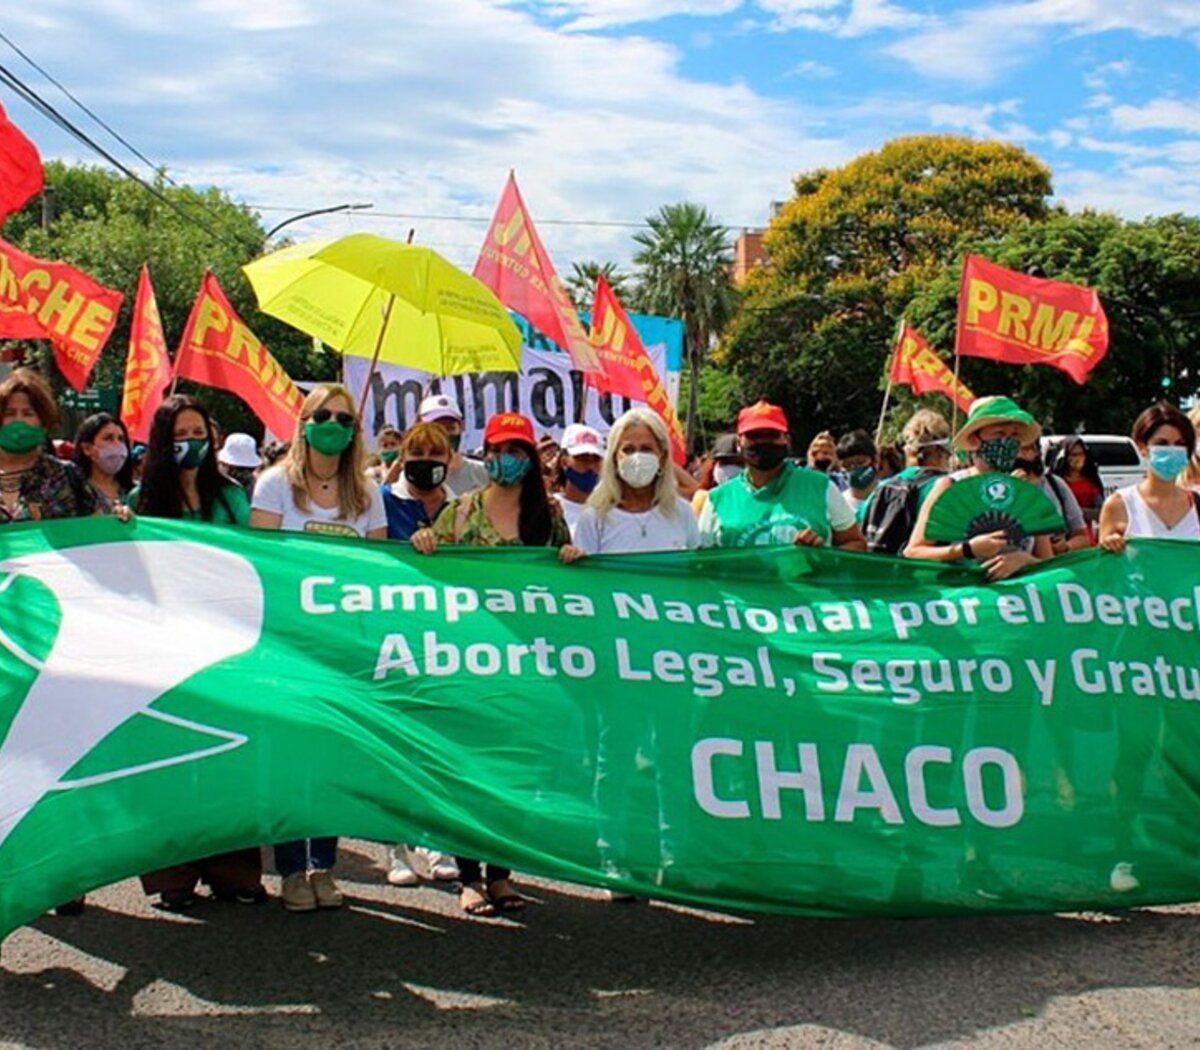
column 892, row 514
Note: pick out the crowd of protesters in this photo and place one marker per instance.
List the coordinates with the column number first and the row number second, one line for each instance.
column 583, row 496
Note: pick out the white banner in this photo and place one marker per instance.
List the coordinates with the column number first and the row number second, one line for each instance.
column 547, row 389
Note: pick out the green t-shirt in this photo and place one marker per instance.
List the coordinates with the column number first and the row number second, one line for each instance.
column 233, row 510
column 739, row 515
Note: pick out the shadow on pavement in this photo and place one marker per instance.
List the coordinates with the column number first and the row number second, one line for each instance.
column 400, row 967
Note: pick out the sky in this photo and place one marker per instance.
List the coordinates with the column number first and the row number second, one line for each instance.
column 606, row 109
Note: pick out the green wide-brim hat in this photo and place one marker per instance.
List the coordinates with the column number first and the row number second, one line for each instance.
column 987, row 411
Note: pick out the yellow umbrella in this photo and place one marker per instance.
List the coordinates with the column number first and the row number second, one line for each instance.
column 368, row 296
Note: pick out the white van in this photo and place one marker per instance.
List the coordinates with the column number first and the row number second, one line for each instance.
column 1116, row 456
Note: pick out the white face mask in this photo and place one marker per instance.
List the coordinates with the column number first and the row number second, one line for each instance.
column 724, row 472
column 638, row 469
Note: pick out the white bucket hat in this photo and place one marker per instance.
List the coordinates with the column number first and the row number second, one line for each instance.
column 239, row 450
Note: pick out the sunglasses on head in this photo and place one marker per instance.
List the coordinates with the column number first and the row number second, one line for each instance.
column 324, row 415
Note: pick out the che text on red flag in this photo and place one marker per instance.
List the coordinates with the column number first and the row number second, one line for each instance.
column 55, row 301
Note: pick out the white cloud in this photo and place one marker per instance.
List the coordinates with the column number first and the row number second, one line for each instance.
column 1160, row 114
column 1135, row 191
column 424, row 111
column 1118, row 148
column 870, row 16
column 811, row 70
column 589, row 15
column 978, row 44
column 1098, row 79
column 813, row 15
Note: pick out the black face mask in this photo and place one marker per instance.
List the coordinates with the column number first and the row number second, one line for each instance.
column 765, row 455
column 823, row 465
column 424, row 474
column 1034, row 466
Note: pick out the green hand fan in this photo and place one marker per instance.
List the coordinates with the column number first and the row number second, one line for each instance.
column 985, row 503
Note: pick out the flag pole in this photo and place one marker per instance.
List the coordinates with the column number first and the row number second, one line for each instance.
column 387, row 313
column 954, row 414
column 887, row 394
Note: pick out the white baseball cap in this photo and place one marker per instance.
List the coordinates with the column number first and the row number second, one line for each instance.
column 239, row 450
column 580, row 440
column 438, row 406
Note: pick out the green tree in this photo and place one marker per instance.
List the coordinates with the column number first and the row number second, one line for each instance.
column 108, row 227
column 846, row 254
column 1149, row 286
column 581, row 284
column 683, row 266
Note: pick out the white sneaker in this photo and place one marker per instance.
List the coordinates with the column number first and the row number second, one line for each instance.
column 1122, row 879
column 297, row 894
column 430, row 864
column 400, row 874
column 325, row 890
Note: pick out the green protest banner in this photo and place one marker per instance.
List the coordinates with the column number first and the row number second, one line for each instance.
column 790, row 730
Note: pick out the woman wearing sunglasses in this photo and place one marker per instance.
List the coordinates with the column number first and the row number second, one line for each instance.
column 319, row 487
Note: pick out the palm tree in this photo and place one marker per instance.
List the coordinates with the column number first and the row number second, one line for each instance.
column 684, row 270
column 582, row 283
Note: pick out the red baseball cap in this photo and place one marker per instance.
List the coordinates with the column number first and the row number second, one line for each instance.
column 509, row 426
column 762, row 415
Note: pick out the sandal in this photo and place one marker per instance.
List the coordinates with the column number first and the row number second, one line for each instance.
column 474, row 901
column 504, row 897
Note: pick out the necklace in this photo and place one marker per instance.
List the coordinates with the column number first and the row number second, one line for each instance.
column 326, row 482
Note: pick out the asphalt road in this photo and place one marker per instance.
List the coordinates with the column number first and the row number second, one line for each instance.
column 405, row 968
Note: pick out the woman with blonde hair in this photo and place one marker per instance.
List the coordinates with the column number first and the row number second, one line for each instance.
column 636, row 506
column 320, row 487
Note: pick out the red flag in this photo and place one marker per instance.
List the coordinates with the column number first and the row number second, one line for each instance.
column 627, row 368
column 217, row 349
column 21, row 175
column 52, row 300
column 515, row 265
column 147, row 368
column 916, row 364
column 1007, row 316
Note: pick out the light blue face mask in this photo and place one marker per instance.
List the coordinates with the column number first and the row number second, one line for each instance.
column 1168, row 461
column 506, row 469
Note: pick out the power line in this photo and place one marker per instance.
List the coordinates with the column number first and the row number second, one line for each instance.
column 53, row 115
column 107, row 127
column 484, row 220
column 481, row 220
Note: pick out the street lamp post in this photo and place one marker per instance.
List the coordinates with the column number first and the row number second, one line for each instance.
column 309, row 214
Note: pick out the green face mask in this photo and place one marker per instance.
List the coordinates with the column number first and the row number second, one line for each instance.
column 388, row 456
column 190, row 452
column 329, row 438
column 19, row 436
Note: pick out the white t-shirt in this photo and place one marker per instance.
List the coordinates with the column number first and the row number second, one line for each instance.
column 469, row 477
column 620, row 531
column 273, row 493
column 571, row 511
